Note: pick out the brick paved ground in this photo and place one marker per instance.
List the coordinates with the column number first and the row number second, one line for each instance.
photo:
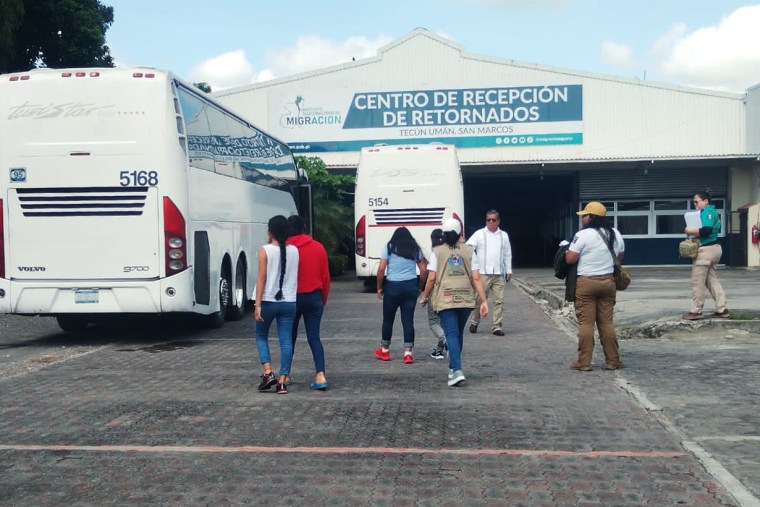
column 139, row 422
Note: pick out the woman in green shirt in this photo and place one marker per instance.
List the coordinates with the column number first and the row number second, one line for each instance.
column 704, row 276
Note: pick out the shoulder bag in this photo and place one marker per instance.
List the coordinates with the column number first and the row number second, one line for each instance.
column 688, row 248
column 621, row 275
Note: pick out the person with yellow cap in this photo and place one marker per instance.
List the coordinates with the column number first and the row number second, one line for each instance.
column 592, row 249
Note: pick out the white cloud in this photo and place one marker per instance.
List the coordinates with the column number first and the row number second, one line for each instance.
column 725, row 56
column 232, row 69
column 314, row 52
column 618, row 56
column 224, row 71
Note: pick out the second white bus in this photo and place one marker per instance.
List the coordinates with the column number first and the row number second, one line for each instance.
column 415, row 186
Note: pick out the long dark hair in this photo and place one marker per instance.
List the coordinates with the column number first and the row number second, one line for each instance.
column 597, row 222
column 403, row 244
column 280, row 230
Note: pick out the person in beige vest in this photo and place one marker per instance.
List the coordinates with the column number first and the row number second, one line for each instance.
column 452, row 286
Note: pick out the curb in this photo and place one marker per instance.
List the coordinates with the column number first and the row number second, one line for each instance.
column 645, row 330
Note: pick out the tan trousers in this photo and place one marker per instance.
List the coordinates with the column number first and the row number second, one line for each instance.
column 594, row 305
column 704, row 278
column 494, row 288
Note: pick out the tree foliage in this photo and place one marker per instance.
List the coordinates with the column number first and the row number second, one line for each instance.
column 333, row 206
column 53, row 33
column 203, row 86
column 11, row 14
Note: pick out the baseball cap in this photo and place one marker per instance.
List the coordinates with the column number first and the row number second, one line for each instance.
column 594, row 208
column 451, row 224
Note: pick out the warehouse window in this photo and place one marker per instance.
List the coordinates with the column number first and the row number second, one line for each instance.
column 657, row 218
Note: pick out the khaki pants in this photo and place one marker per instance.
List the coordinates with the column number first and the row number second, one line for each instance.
column 494, row 289
column 594, row 305
column 704, row 278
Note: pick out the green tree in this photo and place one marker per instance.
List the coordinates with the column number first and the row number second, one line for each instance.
column 203, row 86
column 11, row 14
column 333, row 209
column 54, row 33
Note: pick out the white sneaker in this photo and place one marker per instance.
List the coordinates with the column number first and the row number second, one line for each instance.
column 455, row 378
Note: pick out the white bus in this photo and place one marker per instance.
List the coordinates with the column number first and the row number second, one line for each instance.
column 127, row 191
column 416, row 186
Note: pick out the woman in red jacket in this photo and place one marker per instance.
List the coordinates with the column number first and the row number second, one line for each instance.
column 312, row 293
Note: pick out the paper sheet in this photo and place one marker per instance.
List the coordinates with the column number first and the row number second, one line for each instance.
column 692, row 219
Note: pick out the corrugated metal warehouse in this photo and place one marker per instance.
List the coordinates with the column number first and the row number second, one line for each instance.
column 535, row 142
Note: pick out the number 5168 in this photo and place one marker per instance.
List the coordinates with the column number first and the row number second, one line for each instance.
column 138, row 178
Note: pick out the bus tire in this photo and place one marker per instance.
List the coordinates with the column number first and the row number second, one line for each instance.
column 72, row 323
column 369, row 284
column 236, row 308
column 216, row 319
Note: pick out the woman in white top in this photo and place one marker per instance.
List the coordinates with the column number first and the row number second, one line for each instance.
column 276, row 300
column 595, row 291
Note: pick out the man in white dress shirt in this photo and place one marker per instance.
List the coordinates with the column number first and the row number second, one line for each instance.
column 495, row 255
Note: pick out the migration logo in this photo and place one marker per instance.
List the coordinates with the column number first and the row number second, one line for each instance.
column 298, row 115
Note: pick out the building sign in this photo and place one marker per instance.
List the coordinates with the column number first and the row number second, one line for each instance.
column 467, row 118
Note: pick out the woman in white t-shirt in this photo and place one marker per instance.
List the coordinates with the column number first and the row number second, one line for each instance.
column 275, row 290
column 595, row 291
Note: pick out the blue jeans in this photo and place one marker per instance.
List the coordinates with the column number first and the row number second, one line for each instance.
column 311, row 307
column 404, row 295
column 453, row 322
column 284, row 313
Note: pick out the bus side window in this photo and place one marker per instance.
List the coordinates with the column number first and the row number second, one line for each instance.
column 198, row 133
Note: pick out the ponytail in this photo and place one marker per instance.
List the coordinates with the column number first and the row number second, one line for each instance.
column 279, row 229
column 283, row 258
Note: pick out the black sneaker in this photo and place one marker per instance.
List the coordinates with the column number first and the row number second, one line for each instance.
column 438, row 354
column 267, row 381
column 282, row 389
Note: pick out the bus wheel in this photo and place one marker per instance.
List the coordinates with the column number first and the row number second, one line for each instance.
column 369, row 284
column 72, row 323
column 216, row 319
column 236, row 308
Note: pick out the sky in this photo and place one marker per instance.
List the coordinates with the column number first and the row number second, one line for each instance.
column 713, row 44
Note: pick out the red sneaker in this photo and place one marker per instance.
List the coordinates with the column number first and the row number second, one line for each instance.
column 408, row 359
column 383, row 355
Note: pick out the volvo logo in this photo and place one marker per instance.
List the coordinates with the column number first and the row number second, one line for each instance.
column 31, row 268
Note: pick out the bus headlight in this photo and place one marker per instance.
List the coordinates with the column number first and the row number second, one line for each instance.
column 175, row 254
column 175, row 242
column 176, row 265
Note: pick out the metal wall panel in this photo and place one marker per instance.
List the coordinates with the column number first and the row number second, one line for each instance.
column 753, row 119
column 664, row 183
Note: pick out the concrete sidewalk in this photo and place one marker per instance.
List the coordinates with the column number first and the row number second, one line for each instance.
column 175, row 419
column 658, row 296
